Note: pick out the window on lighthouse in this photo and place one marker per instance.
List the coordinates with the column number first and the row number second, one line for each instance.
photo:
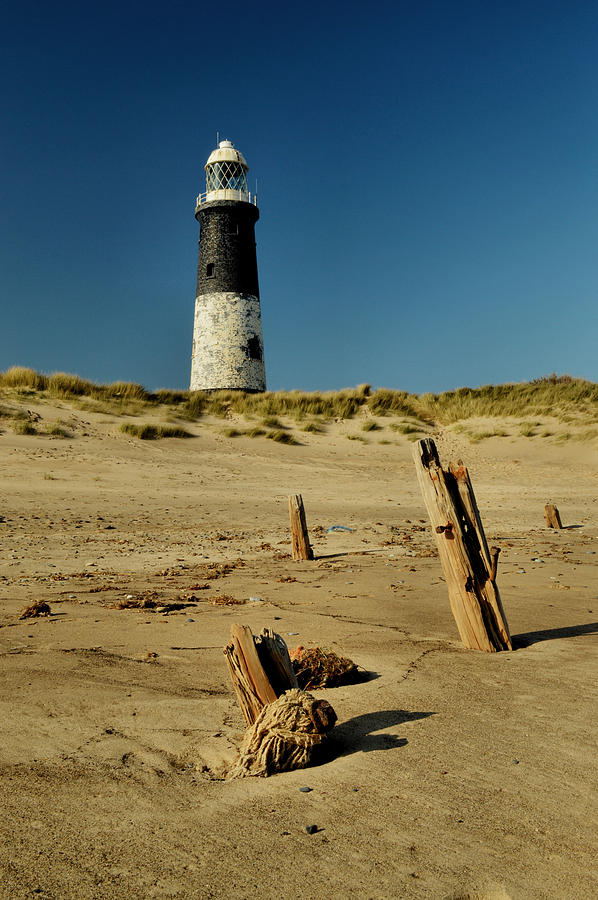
column 210, row 270
column 226, row 176
column 254, row 348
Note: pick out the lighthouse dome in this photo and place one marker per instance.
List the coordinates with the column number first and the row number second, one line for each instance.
column 226, row 152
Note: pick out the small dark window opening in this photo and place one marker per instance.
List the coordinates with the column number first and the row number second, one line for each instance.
column 254, row 348
column 210, row 270
column 233, row 227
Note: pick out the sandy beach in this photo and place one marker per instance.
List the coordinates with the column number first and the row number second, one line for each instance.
column 451, row 773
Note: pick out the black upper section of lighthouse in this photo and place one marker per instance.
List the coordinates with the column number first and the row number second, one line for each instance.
column 227, row 254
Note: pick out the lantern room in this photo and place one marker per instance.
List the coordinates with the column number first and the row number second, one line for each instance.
column 226, row 176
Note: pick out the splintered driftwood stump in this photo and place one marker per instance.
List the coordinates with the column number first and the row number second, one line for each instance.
column 260, row 668
column 469, row 566
column 552, row 516
column 285, row 724
column 299, row 534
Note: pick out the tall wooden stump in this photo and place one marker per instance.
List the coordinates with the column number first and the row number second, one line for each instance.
column 469, row 566
column 260, row 668
column 299, row 534
column 552, row 517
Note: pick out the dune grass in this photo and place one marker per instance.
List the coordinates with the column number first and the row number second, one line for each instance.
column 563, row 397
column 272, row 422
column 282, row 437
column 23, row 426
column 528, row 429
column 407, row 428
column 57, row 431
column 254, row 432
column 149, row 432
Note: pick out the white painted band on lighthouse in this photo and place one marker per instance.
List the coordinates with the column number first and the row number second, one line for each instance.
column 228, row 348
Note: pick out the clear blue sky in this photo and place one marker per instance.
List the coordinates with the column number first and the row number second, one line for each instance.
column 428, row 186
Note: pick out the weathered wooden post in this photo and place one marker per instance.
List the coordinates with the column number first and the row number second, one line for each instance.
column 469, row 566
column 299, row 534
column 552, row 516
column 260, row 668
column 285, row 725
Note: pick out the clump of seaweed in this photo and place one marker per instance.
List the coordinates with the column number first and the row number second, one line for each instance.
column 153, row 600
column 147, row 600
column 217, row 570
column 317, row 668
column 226, row 600
column 39, row 608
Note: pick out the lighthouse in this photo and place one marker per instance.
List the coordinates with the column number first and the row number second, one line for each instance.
column 228, row 347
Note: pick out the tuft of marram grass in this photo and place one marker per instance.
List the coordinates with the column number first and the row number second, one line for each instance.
column 22, row 377
column 23, row 426
column 11, row 412
column 272, row 422
column 58, row 431
column 527, row 429
column 384, row 401
column 143, row 432
column 282, row 437
column 149, row 432
column 407, row 429
column 66, row 385
column 195, row 405
column 254, row 432
column 172, row 431
column 476, row 436
column 370, row 426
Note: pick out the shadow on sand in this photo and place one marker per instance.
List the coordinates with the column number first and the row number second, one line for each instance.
column 319, row 556
column 358, row 733
column 553, row 634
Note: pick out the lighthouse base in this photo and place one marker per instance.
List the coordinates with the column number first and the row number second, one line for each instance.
column 228, row 348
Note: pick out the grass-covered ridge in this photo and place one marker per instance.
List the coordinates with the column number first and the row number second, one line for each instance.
column 563, row 397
